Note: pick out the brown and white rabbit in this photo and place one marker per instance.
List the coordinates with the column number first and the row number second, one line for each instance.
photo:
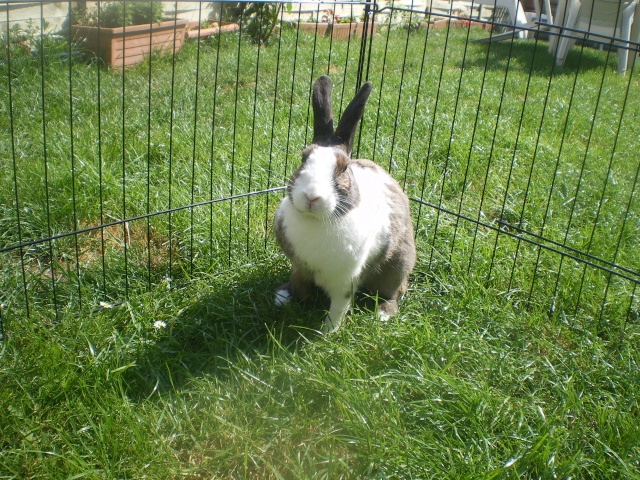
column 344, row 224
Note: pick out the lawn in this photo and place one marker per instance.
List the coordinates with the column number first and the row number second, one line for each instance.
column 147, row 345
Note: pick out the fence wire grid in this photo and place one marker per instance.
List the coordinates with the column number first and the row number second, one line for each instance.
column 119, row 179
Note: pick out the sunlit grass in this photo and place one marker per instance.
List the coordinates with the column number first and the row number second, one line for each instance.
column 197, row 374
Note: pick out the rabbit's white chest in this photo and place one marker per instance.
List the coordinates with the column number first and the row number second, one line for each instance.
column 338, row 248
column 318, row 242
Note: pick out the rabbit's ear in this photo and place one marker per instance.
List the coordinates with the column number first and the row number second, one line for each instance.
column 352, row 114
column 322, row 113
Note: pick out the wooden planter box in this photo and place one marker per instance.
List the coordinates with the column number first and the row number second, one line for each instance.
column 442, row 23
column 337, row 31
column 313, row 28
column 130, row 45
column 194, row 30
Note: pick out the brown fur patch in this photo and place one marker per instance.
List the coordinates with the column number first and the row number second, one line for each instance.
column 306, row 153
column 345, row 184
column 367, row 164
column 301, row 283
column 389, row 274
column 292, row 180
column 281, row 238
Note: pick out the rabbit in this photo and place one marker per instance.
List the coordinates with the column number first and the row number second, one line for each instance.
column 344, row 224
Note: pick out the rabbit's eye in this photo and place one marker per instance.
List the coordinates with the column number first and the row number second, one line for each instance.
column 342, row 162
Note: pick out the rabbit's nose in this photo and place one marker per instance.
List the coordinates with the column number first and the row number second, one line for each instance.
column 311, row 199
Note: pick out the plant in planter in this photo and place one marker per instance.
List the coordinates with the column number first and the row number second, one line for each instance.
column 315, row 26
column 124, row 33
column 118, row 14
column 22, row 46
column 339, row 28
column 259, row 20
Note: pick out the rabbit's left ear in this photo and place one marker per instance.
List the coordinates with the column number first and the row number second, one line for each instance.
column 346, row 130
column 322, row 113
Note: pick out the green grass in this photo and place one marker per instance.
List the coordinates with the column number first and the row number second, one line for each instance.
column 475, row 378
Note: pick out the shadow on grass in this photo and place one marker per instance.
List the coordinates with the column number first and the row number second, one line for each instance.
column 233, row 317
column 225, row 321
column 530, row 56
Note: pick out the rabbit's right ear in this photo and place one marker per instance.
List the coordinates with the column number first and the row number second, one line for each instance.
column 322, row 113
column 346, row 129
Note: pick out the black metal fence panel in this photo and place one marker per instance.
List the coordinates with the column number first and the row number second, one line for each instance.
column 116, row 178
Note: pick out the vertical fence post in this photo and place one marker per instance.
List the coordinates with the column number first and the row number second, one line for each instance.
column 364, row 58
column 363, row 44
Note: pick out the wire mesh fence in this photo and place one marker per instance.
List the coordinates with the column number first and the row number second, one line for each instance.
column 116, row 179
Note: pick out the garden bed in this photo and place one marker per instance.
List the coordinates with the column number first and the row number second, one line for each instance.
column 125, row 46
column 337, row 31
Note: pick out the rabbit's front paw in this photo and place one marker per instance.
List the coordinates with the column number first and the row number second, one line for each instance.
column 282, row 297
column 329, row 326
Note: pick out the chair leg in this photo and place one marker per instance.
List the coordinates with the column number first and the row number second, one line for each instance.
column 516, row 14
column 634, row 37
column 625, row 34
column 547, row 9
column 565, row 43
column 520, row 19
column 553, row 33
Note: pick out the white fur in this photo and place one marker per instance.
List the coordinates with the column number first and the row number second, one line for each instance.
column 315, row 182
column 282, row 297
column 336, row 249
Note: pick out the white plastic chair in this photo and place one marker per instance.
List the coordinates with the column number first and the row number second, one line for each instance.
column 617, row 18
column 516, row 13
